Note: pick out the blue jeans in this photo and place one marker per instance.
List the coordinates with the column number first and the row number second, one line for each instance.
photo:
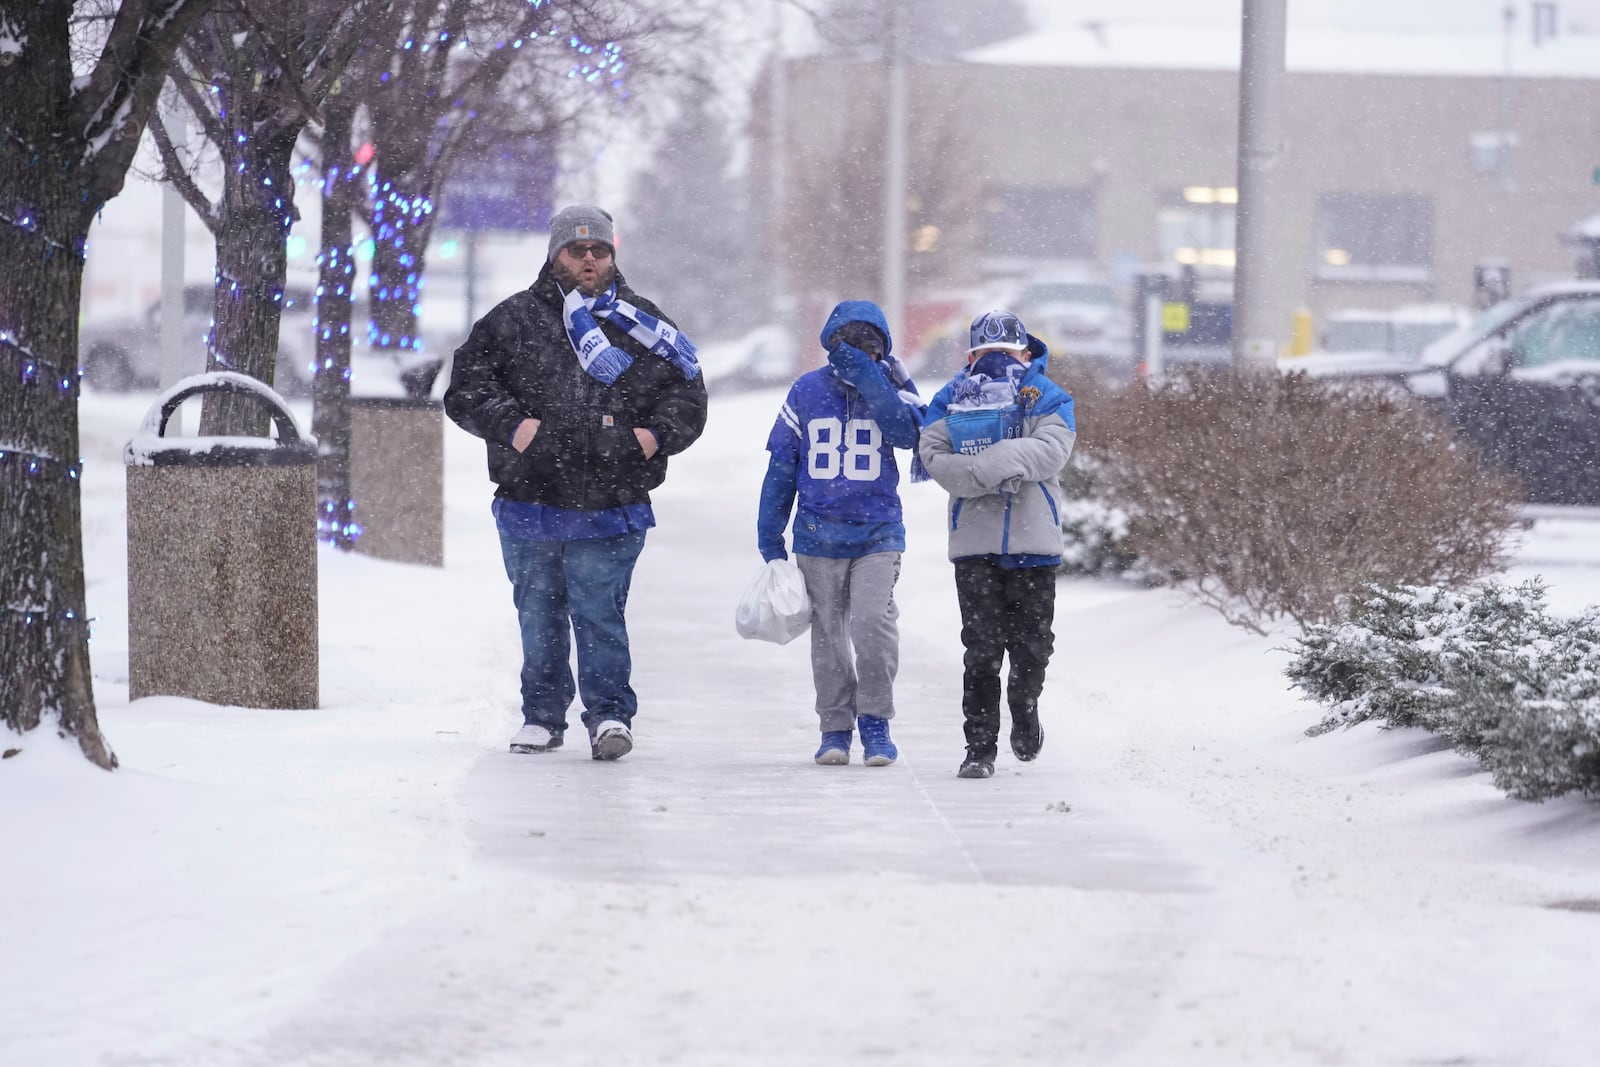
column 585, row 584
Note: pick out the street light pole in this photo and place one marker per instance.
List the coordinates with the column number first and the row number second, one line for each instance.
column 778, row 177
column 174, row 366
column 1507, row 138
column 1261, row 76
column 894, row 191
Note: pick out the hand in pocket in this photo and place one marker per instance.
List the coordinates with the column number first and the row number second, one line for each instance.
column 647, row 441
column 523, row 437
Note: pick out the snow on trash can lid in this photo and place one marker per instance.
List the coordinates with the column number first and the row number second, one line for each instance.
column 151, row 447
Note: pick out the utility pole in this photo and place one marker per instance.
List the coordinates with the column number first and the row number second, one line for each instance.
column 894, row 186
column 174, row 366
column 1261, row 75
column 1507, row 138
column 778, row 149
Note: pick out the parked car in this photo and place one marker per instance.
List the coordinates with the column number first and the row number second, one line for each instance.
column 117, row 355
column 1369, row 341
column 1522, row 383
column 1080, row 318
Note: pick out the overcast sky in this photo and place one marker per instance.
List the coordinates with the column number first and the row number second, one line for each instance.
column 1484, row 15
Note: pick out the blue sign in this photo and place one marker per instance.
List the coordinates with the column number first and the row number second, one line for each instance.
column 510, row 187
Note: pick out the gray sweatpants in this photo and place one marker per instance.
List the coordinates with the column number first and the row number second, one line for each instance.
column 855, row 635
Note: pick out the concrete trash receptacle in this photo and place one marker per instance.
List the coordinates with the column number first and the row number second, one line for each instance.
column 222, row 558
column 397, row 478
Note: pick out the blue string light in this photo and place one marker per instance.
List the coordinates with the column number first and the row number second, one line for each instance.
column 28, row 223
column 330, row 528
column 33, row 616
column 36, row 371
column 37, row 463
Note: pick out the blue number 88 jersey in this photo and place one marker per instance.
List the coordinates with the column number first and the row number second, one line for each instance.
column 845, row 468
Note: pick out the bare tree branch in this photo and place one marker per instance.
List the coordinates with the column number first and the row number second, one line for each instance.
column 289, row 77
column 109, row 110
column 176, row 175
column 195, row 100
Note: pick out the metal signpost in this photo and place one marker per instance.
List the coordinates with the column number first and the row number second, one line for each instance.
column 509, row 188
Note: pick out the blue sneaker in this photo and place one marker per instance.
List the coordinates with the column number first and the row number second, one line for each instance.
column 835, row 748
column 876, row 748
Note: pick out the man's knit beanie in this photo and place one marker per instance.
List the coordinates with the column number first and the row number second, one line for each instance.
column 580, row 222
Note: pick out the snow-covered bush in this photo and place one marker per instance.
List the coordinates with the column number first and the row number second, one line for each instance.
column 1528, row 698
column 1491, row 670
column 1551, row 746
column 1097, row 535
column 1382, row 660
column 1279, row 495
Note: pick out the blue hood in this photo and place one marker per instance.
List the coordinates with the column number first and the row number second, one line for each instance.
column 1040, row 354
column 857, row 311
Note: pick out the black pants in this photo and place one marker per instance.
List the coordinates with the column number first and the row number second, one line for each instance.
column 1003, row 612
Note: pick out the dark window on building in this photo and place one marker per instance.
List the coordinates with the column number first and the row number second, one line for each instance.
column 1050, row 223
column 1379, row 236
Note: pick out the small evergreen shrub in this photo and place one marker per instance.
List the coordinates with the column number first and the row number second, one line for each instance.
column 1492, row 671
column 1382, row 660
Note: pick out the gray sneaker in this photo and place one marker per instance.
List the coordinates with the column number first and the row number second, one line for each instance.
column 611, row 740
column 535, row 738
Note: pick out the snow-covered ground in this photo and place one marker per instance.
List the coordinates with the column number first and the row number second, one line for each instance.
column 1183, row 877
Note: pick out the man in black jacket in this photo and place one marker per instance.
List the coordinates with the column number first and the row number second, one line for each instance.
column 581, row 390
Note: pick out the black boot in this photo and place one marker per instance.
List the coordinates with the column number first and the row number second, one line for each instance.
column 979, row 763
column 1027, row 734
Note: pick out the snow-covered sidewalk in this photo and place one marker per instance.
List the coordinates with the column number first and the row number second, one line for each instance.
column 1183, row 877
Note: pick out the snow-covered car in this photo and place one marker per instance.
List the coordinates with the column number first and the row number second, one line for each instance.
column 1521, row 382
column 1366, row 342
column 121, row 354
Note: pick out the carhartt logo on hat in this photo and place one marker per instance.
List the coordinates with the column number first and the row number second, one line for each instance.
column 580, row 222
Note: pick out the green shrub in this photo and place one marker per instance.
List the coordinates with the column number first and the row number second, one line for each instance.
column 1492, row 671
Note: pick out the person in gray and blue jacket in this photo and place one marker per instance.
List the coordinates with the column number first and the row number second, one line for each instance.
column 997, row 438
column 832, row 448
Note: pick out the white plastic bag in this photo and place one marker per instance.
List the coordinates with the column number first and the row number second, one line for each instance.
column 775, row 608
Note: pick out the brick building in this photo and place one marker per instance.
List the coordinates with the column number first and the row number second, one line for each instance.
column 1410, row 158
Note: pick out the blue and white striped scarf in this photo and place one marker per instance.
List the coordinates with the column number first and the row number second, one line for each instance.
column 991, row 382
column 603, row 360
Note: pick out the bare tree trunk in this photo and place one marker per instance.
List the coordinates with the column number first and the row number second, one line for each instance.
column 66, row 141
column 252, row 76
column 402, row 223
column 252, row 260
column 330, row 413
column 44, row 627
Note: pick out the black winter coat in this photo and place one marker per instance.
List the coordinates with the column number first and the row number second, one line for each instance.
column 517, row 364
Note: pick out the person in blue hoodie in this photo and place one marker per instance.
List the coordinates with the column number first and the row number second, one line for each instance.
column 832, row 449
column 997, row 438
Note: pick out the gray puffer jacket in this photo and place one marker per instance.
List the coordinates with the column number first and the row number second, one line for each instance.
column 1004, row 499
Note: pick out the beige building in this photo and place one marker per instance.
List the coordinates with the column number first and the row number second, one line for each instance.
column 1409, row 159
